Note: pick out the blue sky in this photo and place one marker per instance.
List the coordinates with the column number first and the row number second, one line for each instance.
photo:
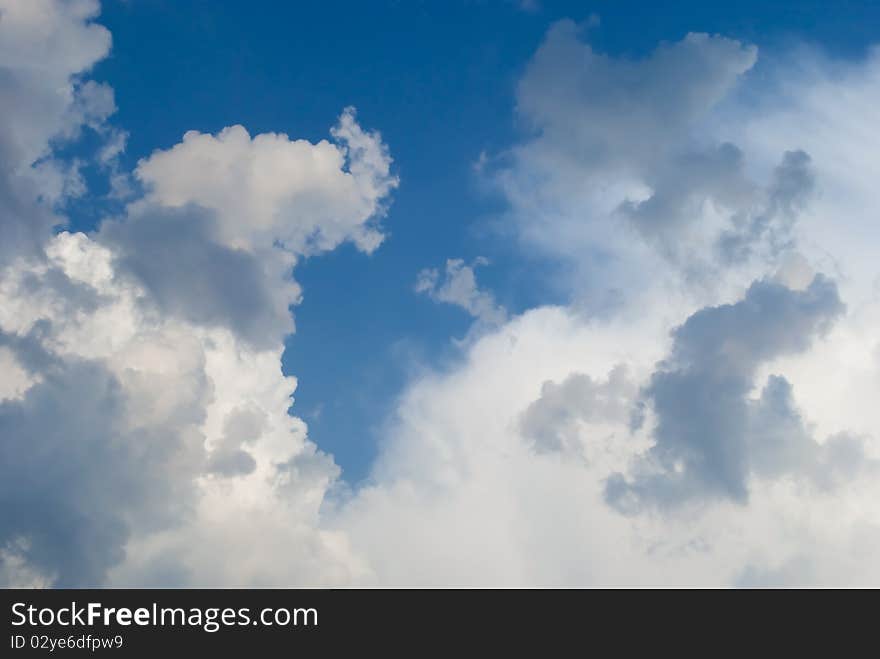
column 437, row 79
column 589, row 293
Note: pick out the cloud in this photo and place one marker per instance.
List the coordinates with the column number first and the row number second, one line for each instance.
column 458, row 286
column 190, row 417
column 144, row 415
column 270, row 189
column 692, row 225
column 553, row 420
column 610, row 109
column 76, row 471
column 173, row 341
column 491, row 477
column 230, row 457
column 226, row 217
column 704, row 443
column 713, row 376
column 625, row 184
column 44, row 47
column 174, row 255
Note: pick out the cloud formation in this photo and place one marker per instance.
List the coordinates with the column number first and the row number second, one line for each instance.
column 144, row 416
column 709, row 436
column 653, row 431
column 270, row 189
column 44, row 46
column 457, row 285
column 699, row 412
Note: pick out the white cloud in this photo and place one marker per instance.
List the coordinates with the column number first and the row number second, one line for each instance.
column 458, row 286
column 106, row 378
column 144, row 415
column 497, row 471
column 623, row 186
column 44, row 47
column 269, row 188
column 461, row 495
column 826, row 107
column 242, row 211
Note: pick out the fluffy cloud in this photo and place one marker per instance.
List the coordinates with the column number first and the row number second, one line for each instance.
column 708, row 440
column 144, row 416
column 271, row 189
column 493, row 477
column 242, row 210
column 458, row 286
column 667, row 427
column 169, row 420
column 87, row 442
column 626, row 181
column 44, row 47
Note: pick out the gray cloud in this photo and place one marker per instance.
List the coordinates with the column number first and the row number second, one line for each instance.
column 173, row 253
column 679, row 190
column 770, row 227
column 604, row 110
column 72, row 295
column 709, row 437
column 781, row 443
column 229, row 458
column 74, row 475
column 43, row 98
column 621, row 160
column 548, row 421
column 25, row 220
column 624, row 165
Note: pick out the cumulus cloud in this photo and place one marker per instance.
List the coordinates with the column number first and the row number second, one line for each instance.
column 76, row 471
column 706, row 442
column 671, row 425
column 492, row 477
column 271, row 189
column 171, row 391
column 626, row 181
column 700, row 413
column 144, row 416
column 242, row 210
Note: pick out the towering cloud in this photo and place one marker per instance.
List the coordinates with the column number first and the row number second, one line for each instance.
column 144, row 415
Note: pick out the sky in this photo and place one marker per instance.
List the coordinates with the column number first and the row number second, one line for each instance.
column 438, row 80
column 438, row 293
